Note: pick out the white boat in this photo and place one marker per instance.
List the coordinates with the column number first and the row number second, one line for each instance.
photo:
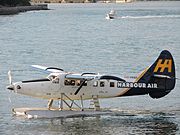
column 111, row 15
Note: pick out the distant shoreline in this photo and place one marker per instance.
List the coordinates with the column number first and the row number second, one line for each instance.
column 18, row 9
column 44, row 6
column 92, row 1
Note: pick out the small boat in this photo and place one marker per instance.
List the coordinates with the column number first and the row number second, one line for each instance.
column 111, row 15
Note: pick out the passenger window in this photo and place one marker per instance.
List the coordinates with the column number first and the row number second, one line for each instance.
column 85, row 84
column 111, row 84
column 69, row 82
column 102, row 84
column 95, row 84
column 72, row 82
column 78, row 82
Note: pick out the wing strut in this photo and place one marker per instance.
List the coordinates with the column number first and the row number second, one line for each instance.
column 80, row 87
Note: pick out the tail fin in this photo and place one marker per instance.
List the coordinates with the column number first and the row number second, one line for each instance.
column 159, row 78
column 163, row 74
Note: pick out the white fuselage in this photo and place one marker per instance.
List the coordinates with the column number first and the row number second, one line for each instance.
column 57, row 83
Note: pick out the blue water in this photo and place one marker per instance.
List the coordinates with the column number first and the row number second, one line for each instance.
column 77, row 37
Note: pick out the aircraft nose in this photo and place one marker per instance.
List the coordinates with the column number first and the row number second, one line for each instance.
column 10, row 87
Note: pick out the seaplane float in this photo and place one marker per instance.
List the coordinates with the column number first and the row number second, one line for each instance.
column 67, row 88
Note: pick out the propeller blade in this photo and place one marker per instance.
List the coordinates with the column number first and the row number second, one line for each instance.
column 80, row 87
column 10, row 100
column 10, row 77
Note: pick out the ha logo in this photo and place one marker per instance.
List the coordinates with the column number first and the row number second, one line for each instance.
column 162, row 66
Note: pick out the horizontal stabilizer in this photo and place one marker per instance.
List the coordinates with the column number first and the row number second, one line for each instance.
column 162, row 76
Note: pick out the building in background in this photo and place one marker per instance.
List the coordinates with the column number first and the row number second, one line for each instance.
column 60, row 1
column 80, row 1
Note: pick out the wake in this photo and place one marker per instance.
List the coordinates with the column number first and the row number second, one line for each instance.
column 149, row 17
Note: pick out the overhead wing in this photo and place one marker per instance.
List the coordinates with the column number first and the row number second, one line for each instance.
column 80, row 76
column 48, row 69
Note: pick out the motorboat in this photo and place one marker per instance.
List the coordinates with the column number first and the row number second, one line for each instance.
column 111, row 15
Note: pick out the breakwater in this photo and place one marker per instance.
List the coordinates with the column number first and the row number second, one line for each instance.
column 18, row 9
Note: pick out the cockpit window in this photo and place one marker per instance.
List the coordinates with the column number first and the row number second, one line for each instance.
column 51, row 77
column 55, row 80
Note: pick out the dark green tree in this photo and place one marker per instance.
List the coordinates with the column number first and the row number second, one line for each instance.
column 13, row 3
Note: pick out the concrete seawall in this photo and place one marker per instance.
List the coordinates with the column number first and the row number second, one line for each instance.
column 16, row 10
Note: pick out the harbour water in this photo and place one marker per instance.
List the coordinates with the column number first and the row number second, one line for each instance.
column 77, row 37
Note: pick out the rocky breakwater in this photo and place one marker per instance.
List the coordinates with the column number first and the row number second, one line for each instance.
column 18, row 9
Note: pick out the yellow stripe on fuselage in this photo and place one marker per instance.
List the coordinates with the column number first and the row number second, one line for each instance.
column 136, row 80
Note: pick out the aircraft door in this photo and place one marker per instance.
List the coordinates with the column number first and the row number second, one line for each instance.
column 61, row 83
column 56, row 83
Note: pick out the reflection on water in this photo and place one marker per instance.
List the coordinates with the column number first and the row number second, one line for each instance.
column 153, row 123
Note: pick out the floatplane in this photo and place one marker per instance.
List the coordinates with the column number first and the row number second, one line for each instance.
column 156, row 80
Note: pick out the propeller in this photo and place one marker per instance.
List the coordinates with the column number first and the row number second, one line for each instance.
column 84, row 81
column 11, row 86
column 10, row 77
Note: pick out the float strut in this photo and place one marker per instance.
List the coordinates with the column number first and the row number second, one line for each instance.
column 49, row 105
